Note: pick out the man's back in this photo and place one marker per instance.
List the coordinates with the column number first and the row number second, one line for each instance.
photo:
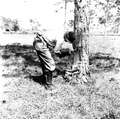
column 54, row 35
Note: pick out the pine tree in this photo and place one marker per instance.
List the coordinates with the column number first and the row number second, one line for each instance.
column 81, row 29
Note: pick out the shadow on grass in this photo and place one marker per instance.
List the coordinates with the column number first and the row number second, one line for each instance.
column 24, row 51
column 20, row 59
column 103, row 62
column 25, row 61
column 24, row 56
column 38, row 79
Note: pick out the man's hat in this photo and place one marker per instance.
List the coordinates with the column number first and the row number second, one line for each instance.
column 70, row 36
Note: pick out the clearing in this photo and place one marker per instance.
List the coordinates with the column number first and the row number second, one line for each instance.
column 22, row 97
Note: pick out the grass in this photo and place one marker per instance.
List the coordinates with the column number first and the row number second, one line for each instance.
column 25, row 98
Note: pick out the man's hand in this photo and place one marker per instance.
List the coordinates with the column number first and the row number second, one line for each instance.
column 63, row 52
column 58, row 53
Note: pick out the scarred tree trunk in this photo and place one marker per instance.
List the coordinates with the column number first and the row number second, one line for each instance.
column 81, row 29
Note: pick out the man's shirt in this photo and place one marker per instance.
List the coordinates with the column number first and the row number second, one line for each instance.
column 53, row 38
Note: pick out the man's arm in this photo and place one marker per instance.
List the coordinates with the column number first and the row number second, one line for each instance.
column 58, row 46
column 63, row 52
column 59, row 51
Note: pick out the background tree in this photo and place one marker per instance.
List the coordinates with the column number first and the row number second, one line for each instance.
column 59, row 7
column 66, row 1
column 107, row 21
column 35, row 25
column 10, row 24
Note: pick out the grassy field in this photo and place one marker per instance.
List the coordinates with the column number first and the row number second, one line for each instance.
column 23, row 97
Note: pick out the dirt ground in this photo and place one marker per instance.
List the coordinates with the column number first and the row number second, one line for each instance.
column 23, row 97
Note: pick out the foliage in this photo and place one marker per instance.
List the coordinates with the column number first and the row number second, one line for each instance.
column 104, row 15
column 35, row 25
column 71, row 23
column 10, row 24
column 16, row 26
column 68, row 1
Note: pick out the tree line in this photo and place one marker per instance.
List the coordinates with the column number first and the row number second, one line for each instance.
column 9, row 25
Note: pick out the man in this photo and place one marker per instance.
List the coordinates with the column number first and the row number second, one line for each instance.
column 43, row 42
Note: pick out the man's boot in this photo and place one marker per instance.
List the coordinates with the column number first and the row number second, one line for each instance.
column 48, row 77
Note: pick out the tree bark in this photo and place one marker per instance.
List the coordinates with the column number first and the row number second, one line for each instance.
column 106, row 18
column 65, row 15
column 81, row 29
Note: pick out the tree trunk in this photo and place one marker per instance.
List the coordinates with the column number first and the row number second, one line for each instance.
column 65, row 16
column 106, row 18
column 81, row 29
